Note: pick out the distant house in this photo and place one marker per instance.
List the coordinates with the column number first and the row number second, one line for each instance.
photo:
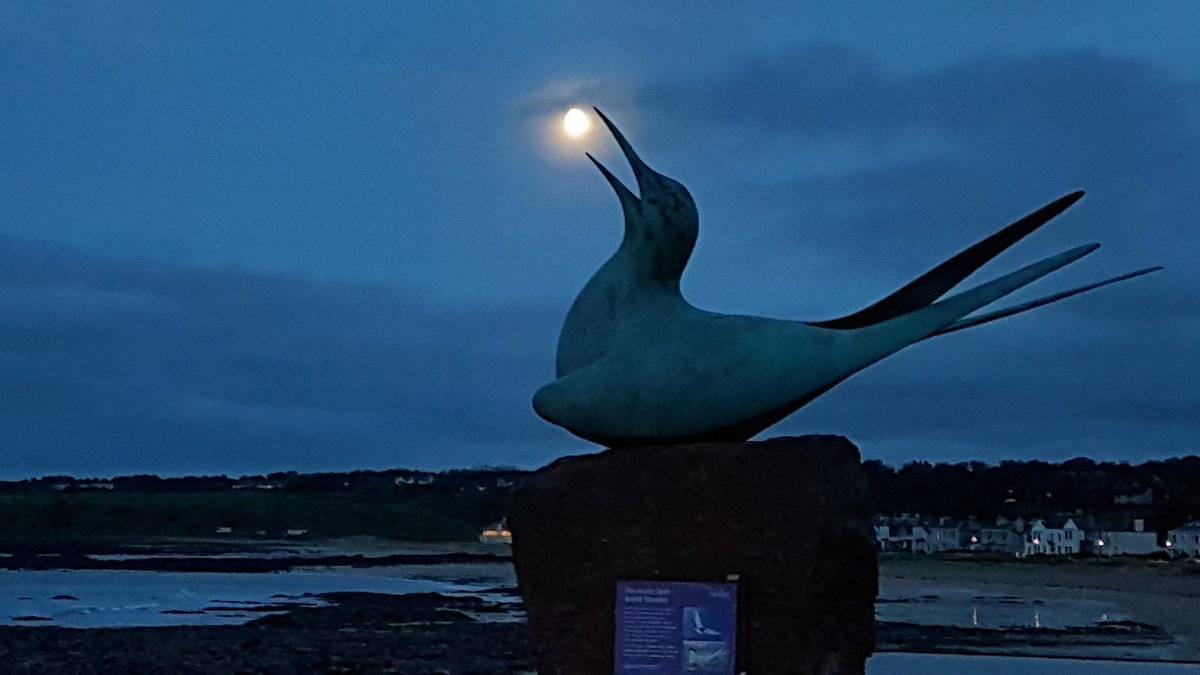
column 942, row 537
column 894, row 535
column 907, row 534
column 1185, row 540
column 1136, row 499
column 224, row 530
column 1043, row 539
column 496, row 533
column 919, row 539
column 1132, row 541
column 414, row 479
column 883, row 534
column 999, row 539
column 295, row 532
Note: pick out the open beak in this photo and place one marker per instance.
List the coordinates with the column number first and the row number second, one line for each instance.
column 629, row 201
column 646, row 177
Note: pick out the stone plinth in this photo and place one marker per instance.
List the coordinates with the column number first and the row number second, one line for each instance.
column 788, row 516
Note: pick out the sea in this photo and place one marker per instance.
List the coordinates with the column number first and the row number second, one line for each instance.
column 121, row 598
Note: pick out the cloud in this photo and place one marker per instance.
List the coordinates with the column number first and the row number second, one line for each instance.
column 114, row 366
column 826, row 177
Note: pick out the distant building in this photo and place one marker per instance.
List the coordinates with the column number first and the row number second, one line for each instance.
column 1003, row 538
column 883, row 534
column 1185, row 540
column 941, row 537
column 496, row 533
column 414, row 479
column 894, row 535
column 907, row 534
column 1137, row 499
column 1043, row 539
column 1132, row 541
column 296, row 532
column 224, row 530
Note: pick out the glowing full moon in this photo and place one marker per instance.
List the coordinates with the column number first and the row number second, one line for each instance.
column 576, row 123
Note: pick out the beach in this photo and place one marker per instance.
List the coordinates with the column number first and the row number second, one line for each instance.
column 1155, row 593
column 367, row 605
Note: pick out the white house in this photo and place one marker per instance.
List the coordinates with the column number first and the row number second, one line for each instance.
column 893, row 534
column 997, row 539
column 1185, row 540
column 1042, row 539
column 943, row 537
column 414, row 479
column 904, row 535
column 920, row 539
column 1128, row 542
column 883, row 535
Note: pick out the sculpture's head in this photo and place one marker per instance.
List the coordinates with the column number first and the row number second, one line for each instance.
column 661, row 224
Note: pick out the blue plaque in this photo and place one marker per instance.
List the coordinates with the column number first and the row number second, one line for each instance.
column 675, row 627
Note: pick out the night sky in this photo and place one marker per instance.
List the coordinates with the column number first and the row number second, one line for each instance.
column 249, row 237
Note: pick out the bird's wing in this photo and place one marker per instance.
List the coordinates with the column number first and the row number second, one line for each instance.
column 1034, row 304
column 927, row 288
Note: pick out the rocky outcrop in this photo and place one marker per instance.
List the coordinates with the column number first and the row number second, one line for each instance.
column 787, row 518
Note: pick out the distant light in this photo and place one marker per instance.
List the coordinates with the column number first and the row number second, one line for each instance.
column 1100, row 542
column 576, row 123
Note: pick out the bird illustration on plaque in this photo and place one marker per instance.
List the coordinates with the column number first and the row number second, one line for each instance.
column 637, row 364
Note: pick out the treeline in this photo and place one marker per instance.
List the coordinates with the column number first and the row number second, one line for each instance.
column 408, row 504
column 37, row 519
column 1166, row 491
column 358, row 481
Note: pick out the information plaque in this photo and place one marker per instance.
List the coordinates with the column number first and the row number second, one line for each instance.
column 675, row 627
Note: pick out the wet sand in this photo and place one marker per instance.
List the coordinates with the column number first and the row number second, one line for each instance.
column 359, row 632
column 1166, row 595
column 426, row 633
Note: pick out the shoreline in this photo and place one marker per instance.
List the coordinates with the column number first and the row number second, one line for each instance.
column 239, row 565
column 1159, row 620
column 416, row 632
column 1165, row 595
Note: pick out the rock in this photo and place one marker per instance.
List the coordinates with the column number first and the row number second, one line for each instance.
column 788, row 516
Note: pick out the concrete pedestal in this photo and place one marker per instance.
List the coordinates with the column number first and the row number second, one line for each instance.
column 787, row 517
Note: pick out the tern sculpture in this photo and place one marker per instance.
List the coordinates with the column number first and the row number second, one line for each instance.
column 637, row 364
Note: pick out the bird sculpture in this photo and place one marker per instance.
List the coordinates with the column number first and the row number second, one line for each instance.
column 637, row 364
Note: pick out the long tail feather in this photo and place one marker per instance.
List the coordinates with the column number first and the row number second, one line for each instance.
column 929, row 320
column 932, row 285
column 1034, row 304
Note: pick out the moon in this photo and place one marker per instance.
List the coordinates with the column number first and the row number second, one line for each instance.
column 576, row 123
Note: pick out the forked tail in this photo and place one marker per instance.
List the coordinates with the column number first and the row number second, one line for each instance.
column 941, row 315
